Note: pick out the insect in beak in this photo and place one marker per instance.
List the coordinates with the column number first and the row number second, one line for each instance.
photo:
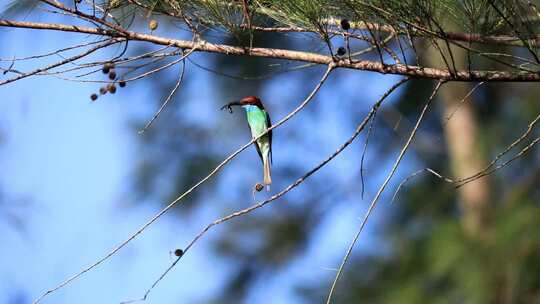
column 230, row 105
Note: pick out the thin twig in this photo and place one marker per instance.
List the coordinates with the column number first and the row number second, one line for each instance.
column 462, row 101
column 60, row 63
column 56, row 51
column 118, row 65
column 154, row 70
column 488, row 172
column 364, row 154
column 117, row 62
column 516, row 32
column 414, row 174
column 90, row 18
column 379, row 192
column 169, row 97
column 166, row 101
column 482, row 173
column 489, row 169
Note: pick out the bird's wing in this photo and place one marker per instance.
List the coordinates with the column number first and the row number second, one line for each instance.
column 259, row 151
column 268, row 125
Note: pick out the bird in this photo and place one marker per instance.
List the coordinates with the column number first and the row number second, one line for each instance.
column 259, row 121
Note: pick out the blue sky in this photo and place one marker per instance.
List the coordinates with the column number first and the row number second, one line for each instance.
column 73, row 162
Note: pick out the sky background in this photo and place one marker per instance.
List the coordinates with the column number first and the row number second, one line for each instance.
column 67, row 167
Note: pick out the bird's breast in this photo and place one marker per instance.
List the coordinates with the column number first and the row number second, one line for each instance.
column 257, row 122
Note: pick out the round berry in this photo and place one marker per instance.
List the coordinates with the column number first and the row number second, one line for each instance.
column 107, row 67
column 93, row 97
column 341, row 51
column 153, row 25
column 112, row 88
column 345, row 25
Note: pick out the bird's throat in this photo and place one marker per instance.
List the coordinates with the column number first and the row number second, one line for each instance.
column 251, row 108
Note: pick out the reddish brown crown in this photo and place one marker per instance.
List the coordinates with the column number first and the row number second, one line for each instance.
column 252, row 100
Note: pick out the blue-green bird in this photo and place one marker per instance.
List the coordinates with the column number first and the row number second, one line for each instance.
column 258, row 121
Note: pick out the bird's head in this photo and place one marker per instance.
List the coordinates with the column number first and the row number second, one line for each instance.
column 246, row 101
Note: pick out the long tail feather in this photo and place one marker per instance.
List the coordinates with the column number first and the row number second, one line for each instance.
column 267, row 178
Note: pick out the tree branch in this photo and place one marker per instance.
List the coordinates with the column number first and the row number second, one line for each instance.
column 366, row 65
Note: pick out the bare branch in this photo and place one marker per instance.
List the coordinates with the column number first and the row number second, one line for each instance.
column 380, row 191
column 506, row 163
column 170, row 94
column 60, row 63
column 489, row 169
column 92, row 18
column 169, row 97
column 462, row 101
column 414, row 174
column 364, row 154
column 56, row 52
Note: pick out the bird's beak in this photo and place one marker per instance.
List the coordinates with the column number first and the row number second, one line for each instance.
column 230, row 104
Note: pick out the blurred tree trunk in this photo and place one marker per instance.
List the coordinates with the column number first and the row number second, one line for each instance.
column 466, row 156
column 462, row 138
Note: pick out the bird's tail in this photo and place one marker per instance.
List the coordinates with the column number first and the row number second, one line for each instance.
column 267, row 178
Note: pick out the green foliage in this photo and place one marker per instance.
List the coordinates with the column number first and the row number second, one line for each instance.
column 429, row 17
column 304, row 13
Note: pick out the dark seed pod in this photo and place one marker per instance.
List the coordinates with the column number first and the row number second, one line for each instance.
column 259, row 187
column 179, row 252
column 107, row 67
column 345, row 25
column 341, row 51
column 112, row 88
column 112, row 75
column 122, row 83
column 103, row 90
column 93, row 97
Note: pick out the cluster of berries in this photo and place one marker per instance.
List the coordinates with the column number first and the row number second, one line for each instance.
column 109, row 70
